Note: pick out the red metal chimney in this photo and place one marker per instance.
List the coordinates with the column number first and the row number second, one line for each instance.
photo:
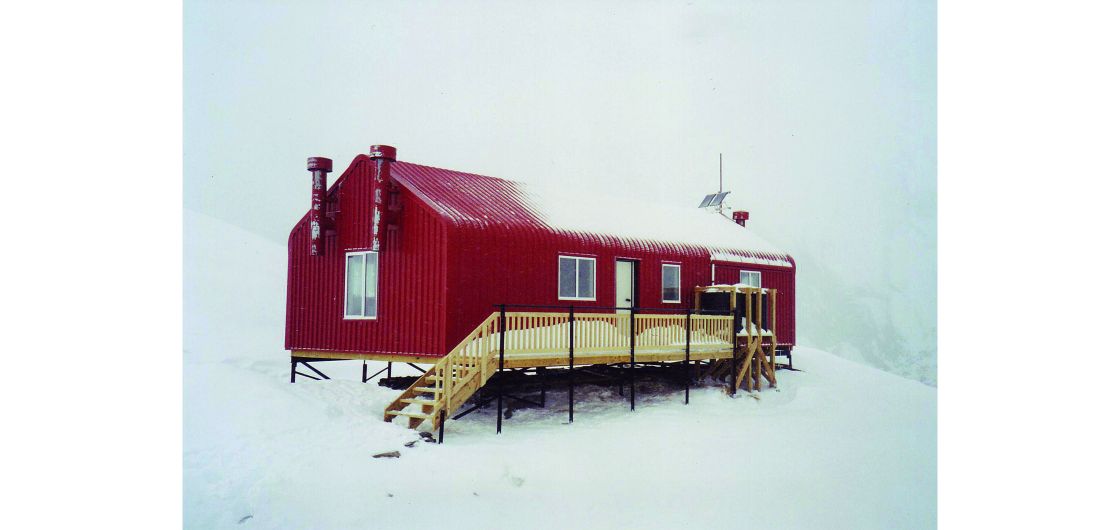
column 387, row 152
column 319, row 166
column 382, row 156
column 741, row 217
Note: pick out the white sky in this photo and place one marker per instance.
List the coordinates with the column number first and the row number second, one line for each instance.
column 825, row 112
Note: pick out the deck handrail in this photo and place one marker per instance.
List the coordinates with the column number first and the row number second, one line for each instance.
column 479, row 353
column 529, row 336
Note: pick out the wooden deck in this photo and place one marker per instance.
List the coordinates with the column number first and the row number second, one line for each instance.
column 508, row 340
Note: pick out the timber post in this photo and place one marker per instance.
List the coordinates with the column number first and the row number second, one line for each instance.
column 734, row 347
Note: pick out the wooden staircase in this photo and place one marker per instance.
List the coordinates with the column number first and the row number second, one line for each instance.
column 444, row 388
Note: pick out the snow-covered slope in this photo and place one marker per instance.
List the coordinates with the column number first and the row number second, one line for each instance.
column 876, row 308
column 840, row 445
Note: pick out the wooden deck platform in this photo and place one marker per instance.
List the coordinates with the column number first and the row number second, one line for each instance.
column 512, row 340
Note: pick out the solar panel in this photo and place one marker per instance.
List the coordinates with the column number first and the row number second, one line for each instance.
column 718, row 200
column 707, row 200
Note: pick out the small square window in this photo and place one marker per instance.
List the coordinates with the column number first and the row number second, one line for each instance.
column 577, row 278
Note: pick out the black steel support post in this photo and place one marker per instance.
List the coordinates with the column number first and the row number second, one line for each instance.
column 501, row 361
column 442, row 418
column 297, row 360
column 540, row 374
column 313, row 369
column 390, row 369
column 366, row 378
column 687, row 352
column 571, row 363
column 632, row 336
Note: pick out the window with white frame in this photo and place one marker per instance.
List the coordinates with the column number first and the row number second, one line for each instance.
column 750, row 278
column 577, row 278
column 670, row 283
column 361, row 285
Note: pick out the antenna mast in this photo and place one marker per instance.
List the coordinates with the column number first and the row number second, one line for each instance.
column 715, row 200
column 721, row 181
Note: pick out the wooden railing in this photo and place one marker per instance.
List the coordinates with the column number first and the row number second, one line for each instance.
column 458, row 369
column 469, row 365
column 543, row 336
column 609, row 332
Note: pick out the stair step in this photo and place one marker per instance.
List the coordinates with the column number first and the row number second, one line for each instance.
column 426, row 389
column 420, row 401
column 416, row 415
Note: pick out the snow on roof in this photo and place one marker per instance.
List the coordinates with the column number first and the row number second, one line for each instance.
column 466, row 198
column 593, row 214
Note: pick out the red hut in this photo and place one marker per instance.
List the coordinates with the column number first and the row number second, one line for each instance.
column 399, row 261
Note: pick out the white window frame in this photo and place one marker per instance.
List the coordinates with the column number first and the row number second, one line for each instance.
column 679, row 294
column 346, row 287
column 594, row 277
column 749, row 274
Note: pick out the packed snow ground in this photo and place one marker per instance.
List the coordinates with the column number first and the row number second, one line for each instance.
column 838, row 445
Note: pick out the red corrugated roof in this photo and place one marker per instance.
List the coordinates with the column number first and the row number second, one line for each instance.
column 467, row 199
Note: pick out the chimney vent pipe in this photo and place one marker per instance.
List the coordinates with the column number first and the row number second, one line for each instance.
column 387, row 152
column 382, row 156
column 319, row 166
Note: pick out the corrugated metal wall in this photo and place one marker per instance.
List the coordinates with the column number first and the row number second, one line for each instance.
column 521, row 268
column 411, row 281
column 470, row 243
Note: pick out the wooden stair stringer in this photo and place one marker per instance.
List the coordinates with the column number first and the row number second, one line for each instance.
column 466, row 386
column 413, row 391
